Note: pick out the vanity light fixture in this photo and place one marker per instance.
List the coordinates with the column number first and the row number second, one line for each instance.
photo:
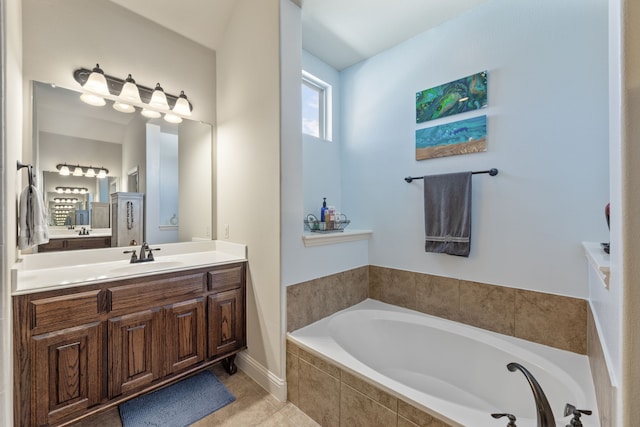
column 78, row 170
column 127, row 95
column 59, row 200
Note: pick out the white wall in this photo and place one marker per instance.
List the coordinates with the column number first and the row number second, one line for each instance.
column 547, row 134
column 322, row 176
column 196, row 176
column 248, row 168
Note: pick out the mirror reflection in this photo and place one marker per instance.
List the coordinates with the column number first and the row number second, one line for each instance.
column 87, row 158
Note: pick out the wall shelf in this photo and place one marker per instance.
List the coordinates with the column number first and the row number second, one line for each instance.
column 599, row 261
column 319, row 239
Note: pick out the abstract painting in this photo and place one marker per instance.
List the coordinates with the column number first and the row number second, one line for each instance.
column 466, row 94
column 461, row 137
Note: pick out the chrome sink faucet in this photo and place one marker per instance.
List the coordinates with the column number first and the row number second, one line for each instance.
column 543, row 409
column 144, row 257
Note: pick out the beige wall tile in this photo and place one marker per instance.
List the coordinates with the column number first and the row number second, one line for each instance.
column 319, row 298
column 370, row 391
column 439, row 296
column 417, row 416
column 487, row 306
column 392, row 286
column 293, row 363
column 319, row 395
column 292, row 348
column 319, row 363
column 357, row 410
column 553, row 320
column 602, row 383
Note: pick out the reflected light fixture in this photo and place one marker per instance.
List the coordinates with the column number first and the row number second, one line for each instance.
column 74, row 190
column 78, row 170
column 128, row 95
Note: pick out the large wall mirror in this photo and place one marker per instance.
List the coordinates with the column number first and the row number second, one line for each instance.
column 170, row 164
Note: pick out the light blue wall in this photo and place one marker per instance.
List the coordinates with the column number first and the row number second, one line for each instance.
column 547, row 134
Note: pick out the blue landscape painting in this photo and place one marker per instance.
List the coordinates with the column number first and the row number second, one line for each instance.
column 465, row 94
column 461, row 137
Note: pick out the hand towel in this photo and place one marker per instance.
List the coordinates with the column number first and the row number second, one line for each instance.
column 447, row 213
column 34, row 229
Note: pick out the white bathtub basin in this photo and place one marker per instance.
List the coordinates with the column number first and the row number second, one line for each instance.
column 455, row 371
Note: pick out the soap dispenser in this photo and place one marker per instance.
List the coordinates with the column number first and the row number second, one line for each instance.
column 324, row 210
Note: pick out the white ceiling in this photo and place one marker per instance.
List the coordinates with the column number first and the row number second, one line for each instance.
column 340, row 32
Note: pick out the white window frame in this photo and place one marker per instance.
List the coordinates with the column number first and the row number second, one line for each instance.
column 324, row 104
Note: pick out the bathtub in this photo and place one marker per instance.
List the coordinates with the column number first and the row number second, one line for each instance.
column 454, row 371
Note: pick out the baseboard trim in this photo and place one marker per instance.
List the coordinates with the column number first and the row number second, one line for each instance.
column 267, row 379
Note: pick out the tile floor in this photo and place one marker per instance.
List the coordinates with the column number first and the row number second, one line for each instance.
column 253, row 407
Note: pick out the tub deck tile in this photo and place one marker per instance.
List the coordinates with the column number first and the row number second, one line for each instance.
column 358, row 410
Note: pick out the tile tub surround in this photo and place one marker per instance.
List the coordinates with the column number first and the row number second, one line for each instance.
column 553, row 320
column 334, row 397
column 310, row 301
column 605, row 392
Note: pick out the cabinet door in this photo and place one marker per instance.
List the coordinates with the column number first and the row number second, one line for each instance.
column 226, row 322
column 135, row 350
column 67, row 372
column 185, row 334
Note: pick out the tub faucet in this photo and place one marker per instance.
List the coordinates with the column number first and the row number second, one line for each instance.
column 543, row 409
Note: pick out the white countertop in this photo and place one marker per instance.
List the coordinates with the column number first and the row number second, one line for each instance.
column 56, row 270
column 65, row 233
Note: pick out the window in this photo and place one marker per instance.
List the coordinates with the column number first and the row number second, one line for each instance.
column 316, row 107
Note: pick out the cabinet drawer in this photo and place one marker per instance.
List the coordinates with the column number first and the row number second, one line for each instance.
column 59, row 312
column 154, row 293
column 229, row 277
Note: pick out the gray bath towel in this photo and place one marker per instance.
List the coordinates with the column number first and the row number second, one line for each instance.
column 447, row 213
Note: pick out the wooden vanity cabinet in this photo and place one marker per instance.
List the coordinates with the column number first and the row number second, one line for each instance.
column 81, row 350
column 75, row 243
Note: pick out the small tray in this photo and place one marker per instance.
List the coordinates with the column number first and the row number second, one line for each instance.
column 315, row 226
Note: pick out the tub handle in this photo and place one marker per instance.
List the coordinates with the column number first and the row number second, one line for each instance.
column 512, row 418
column 569, row 409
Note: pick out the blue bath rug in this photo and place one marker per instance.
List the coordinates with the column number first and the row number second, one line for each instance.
column 178, row 405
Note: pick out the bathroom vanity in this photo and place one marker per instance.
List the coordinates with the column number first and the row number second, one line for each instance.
column 128, row 329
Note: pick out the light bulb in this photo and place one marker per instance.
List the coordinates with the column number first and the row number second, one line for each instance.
column 172, row 118
column 77, row 171
column 102, row 174
column 91, row 99
column 150, row 113
column 64, row 170
column 90, row 172
column 123, row 108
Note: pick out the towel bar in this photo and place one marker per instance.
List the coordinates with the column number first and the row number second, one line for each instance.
column 491, row 172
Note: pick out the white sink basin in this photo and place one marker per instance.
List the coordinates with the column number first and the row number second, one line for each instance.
column 146, row 266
